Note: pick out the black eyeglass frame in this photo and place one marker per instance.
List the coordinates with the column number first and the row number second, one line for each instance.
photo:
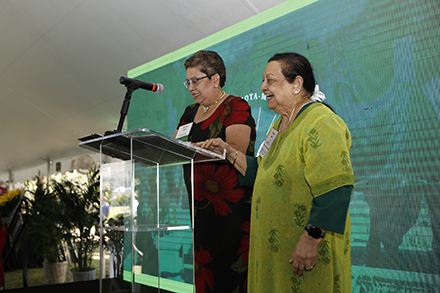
column 195, row 80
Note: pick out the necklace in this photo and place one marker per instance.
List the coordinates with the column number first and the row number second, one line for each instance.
column 286, row 123
column 205, row 109
column 293, row 111
column 291, row 114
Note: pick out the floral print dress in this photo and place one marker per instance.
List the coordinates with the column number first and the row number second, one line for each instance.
column 222, row 207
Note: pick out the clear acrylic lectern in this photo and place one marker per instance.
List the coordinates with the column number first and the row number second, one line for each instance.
column 148, row 229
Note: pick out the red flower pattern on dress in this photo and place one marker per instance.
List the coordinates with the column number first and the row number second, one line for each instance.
column 233, row 110
column 244, row 246
column 217, row 186
column 203, row 274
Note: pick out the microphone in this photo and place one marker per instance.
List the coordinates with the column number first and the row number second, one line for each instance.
column 136, row 84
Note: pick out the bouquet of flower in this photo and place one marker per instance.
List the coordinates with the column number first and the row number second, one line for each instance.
column 9, row 202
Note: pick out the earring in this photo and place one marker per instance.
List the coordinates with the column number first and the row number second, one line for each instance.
column 296, row 92
column 215, row 85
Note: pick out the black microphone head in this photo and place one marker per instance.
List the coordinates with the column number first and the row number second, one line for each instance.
column 125, row 80
column 160, row 88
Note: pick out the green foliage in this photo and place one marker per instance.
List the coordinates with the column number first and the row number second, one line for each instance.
column 120, row 200
column 44, row 230
column 115, row 237
column 79, row 207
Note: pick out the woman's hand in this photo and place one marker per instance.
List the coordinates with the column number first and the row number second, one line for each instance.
column 234, row 156
column 216, row 145
column 305, row 254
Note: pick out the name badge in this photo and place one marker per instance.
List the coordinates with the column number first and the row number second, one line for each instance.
column 267, row 143
column 184, row 130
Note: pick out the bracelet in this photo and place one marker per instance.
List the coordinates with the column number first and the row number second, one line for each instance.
column 235, row 159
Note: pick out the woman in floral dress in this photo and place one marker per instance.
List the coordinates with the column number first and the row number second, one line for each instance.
column 222, row 207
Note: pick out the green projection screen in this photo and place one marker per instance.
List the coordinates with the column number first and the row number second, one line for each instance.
column 378, row 62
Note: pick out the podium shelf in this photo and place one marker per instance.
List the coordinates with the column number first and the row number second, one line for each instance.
column 150, row 147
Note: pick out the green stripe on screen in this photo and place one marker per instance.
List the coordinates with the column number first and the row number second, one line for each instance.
column 152, row 281
column 227, row 33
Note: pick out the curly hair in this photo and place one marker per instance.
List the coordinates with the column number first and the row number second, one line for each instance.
column 208, row 62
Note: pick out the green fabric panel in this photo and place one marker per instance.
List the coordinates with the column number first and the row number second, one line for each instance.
column 251, row 172
column 329, row 210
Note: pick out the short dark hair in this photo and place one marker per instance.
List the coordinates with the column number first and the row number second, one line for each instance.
column 208, row 62
column 294, row 64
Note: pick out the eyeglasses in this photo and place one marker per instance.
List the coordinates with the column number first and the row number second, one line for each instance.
column 195, row 80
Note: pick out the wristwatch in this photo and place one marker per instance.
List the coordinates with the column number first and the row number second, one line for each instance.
column 314, row 232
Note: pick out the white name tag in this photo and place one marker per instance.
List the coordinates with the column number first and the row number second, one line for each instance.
column 184, row 130
column 267, row 143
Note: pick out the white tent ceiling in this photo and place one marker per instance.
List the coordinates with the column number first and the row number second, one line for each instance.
column 60, row 62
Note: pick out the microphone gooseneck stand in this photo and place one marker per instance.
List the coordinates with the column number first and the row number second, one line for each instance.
column 124, row 109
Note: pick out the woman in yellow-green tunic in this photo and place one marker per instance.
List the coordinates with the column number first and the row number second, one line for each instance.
column 307, row 160
column 300, row 226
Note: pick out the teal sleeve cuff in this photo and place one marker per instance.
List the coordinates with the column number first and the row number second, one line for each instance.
column 251, row 172
column 329, row 210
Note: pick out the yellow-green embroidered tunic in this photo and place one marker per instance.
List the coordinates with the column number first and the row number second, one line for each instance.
column 309, row 159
